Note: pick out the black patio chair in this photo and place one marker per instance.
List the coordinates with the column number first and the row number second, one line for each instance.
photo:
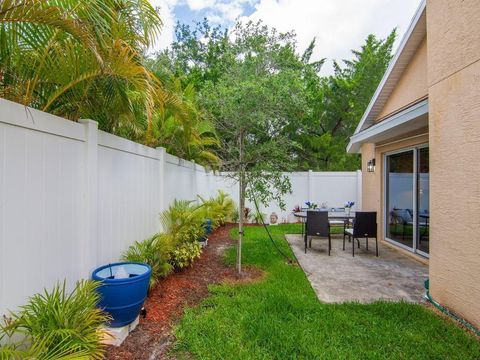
column 364, row 226
column 317, row 225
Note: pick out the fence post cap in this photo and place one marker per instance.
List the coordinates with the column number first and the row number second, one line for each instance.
column 88, row 121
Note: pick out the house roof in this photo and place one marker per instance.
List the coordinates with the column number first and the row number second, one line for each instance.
column 406, row 50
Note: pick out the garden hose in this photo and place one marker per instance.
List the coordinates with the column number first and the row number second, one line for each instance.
column 448, row 312
column 285, row 256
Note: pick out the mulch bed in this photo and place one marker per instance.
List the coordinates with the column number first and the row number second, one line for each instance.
column 153, row 337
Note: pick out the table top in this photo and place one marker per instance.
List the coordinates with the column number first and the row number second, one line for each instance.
column 337, row 214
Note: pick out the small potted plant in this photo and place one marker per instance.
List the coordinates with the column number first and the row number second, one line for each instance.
column 292, row 217
column 311, row 205
column 348, row 206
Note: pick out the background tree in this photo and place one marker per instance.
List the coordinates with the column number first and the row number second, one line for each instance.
column 271, row 109
column 199, row 54
column 337, row 104
column 331, row 106
column 184, row 129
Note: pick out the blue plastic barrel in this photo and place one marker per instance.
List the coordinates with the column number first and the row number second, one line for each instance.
column 122, row 298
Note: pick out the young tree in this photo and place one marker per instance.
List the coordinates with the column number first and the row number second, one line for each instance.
column 251, row 104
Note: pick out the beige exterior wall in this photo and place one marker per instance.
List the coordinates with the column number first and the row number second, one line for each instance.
column 413, row 85
column 453, row 36
column 454, row 121
column 370, row 180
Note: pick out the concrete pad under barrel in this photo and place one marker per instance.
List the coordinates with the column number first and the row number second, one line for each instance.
column 364, row 278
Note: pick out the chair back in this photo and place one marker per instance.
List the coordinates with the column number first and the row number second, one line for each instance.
column 317, row 223
column 365, row 224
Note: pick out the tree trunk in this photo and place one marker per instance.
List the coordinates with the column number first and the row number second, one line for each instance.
column 241, row 220
column 241, row 200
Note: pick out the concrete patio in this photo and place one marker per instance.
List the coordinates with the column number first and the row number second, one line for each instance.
column 365, row 278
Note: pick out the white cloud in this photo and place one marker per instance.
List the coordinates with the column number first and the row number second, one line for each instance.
column 223, row 12
column 200, row 4
column 338, row 25
column 166, row 8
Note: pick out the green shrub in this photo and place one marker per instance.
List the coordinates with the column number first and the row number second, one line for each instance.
column 178, row 245
column 57, row 325
column 182, row 225
column 219, row 209
column 154, row 251
column 182, row 220
column 235, row 215
column 185, row 254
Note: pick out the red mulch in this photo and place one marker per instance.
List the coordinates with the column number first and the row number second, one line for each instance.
column 152, row 338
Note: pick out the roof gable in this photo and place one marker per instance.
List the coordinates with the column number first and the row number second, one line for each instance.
column 408, row 46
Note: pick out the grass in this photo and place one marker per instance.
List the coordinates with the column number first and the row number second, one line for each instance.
column 398, row 230
column 281, row 318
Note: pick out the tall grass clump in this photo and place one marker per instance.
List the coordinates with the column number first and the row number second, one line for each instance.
column 56, row 324
column 219, row 209
column 155, row 251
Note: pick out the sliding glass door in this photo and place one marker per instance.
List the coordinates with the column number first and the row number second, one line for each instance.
column 400, row 197
column 423, row 201
column 407, row 198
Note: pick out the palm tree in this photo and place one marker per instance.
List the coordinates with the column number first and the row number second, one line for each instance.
column 183, row 129
column 86, row 59
column 80, row 59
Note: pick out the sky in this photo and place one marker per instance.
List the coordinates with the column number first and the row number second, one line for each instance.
column 337, row 25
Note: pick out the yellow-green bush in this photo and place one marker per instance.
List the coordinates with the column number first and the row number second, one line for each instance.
column 155, row 251
column 182, row 223
column 185, row 254
column 219, row 209
column 56, row 325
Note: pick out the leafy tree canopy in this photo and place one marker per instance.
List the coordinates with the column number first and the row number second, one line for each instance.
column 318, row 114
column 337, row 105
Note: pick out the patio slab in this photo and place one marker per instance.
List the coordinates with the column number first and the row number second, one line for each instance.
column 364, row 278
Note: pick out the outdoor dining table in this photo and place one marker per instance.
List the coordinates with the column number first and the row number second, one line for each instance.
column 333, row 214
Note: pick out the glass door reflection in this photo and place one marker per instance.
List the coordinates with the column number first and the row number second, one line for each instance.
column 423, row 200
column 400, row 197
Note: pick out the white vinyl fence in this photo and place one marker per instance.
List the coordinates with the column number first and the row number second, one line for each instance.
column 73, row 197
column 332, row 189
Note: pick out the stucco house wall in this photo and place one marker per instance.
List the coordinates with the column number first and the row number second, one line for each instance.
column 454, row 106
column 412, row 86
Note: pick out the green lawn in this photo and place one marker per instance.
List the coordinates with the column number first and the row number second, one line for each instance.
column 398, row 230
column 281, row 318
